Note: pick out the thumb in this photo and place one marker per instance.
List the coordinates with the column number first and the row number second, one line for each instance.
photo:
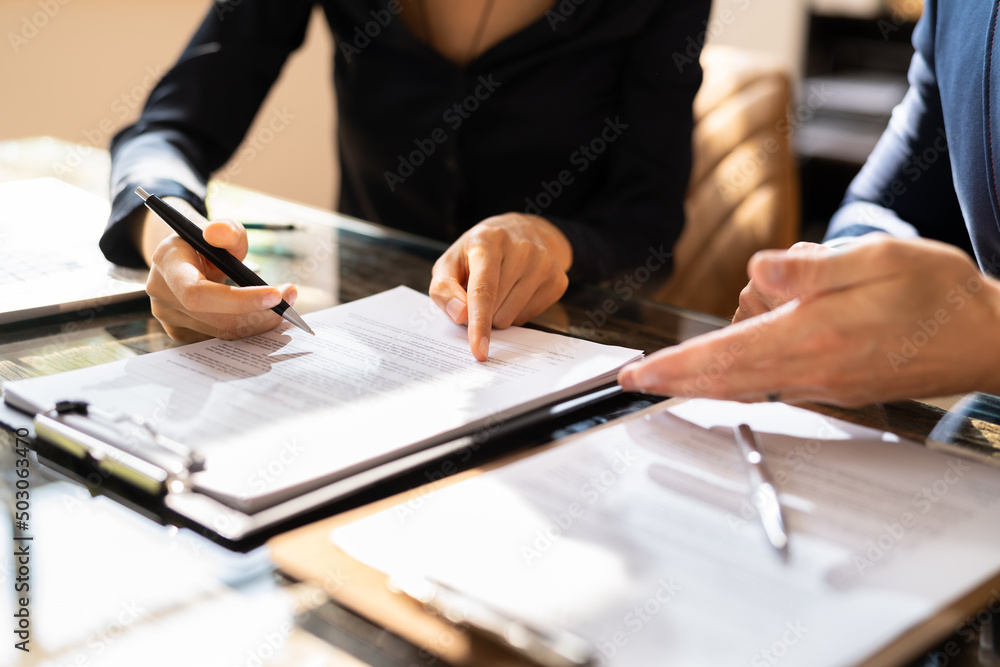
column 446, row 288
column 795, row 274
column 229, row 235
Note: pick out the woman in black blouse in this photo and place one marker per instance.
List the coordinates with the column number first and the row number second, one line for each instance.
column 548, row 141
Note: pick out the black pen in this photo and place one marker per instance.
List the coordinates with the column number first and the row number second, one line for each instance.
column 232, row 267
column 270, row 226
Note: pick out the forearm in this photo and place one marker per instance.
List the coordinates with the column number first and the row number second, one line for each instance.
column 198, row 113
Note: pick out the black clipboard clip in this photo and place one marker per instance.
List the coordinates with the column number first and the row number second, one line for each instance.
column 123, row 445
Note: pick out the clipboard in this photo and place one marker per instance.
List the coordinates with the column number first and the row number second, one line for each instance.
column 123, row 457
column 387, row 390
column 309, row 554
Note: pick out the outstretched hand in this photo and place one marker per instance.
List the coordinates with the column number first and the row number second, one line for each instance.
column 882, row 319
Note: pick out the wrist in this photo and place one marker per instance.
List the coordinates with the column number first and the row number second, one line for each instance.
column 991, row 364
column 148, row 230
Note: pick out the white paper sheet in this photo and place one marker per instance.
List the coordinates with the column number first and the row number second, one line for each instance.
column 49, row 232
column 384, row 374
column 642, row 538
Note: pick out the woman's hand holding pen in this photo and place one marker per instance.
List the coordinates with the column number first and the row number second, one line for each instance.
column 505, row 270
column 188, row 294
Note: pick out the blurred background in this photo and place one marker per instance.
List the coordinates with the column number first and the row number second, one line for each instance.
column 81, row 69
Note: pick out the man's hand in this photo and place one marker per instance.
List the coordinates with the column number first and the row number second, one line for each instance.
column 505, row 270
column 884, row 319
column 188, row 293
column 754, row 301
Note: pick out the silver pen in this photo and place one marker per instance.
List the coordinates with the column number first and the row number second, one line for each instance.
column 762, row 486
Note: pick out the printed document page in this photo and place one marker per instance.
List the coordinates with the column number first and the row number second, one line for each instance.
column 283, row 411
column 643, row 538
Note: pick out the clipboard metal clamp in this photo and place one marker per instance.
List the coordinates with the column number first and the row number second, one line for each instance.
column 546, row 647
column 123, row 445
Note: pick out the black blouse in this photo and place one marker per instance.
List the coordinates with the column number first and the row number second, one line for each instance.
column 583, row 117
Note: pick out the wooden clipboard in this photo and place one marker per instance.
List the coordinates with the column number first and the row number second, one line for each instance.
column 308, row 554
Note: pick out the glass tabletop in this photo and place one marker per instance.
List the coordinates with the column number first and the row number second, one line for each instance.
column 334, row 259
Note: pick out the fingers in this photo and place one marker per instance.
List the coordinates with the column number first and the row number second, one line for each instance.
column 505, row 270
column 849, row 340
column 185, row 326
column 182, row 327
column 179, row 279
column 484, row 282
column 738, row 360
column 752, row 303
column 228, row 235
column 446, row 291
column 191, row 306
column 529, row 298
column 760, row 296
column 809, row 269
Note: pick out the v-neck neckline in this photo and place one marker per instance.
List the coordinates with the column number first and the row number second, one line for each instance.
column 462, row 69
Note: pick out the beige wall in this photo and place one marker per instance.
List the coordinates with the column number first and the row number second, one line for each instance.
column 81, row 69
column 775, row 27
column 84, row 67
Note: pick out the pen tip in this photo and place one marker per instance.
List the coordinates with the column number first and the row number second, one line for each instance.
column 142, row 193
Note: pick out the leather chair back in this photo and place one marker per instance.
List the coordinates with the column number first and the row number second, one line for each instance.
column 743, row 194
